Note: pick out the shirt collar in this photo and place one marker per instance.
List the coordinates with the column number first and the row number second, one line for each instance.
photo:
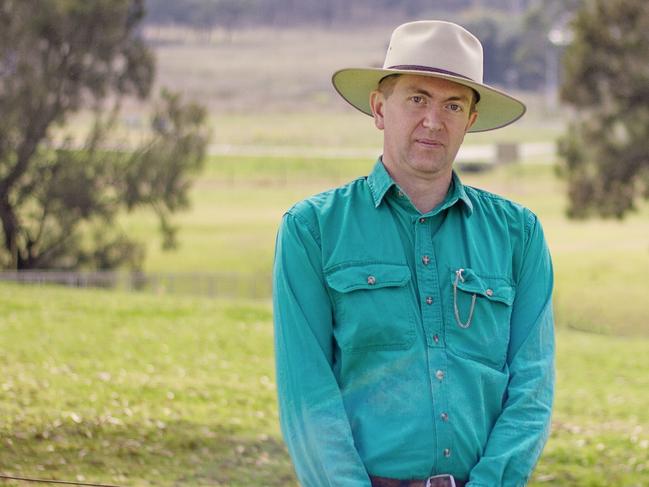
column 458, row 193
column 379, row 182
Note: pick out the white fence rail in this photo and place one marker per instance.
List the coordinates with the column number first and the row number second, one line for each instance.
column 217, row 284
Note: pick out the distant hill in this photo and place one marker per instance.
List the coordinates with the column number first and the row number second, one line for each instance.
column 514, row 33
column 207, row 14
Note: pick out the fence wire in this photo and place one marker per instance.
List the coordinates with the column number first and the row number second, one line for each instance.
column 213, row 284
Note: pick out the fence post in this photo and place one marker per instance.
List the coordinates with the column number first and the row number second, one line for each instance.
column 507, row 153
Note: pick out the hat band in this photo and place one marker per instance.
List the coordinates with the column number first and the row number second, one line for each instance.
column 415, row 67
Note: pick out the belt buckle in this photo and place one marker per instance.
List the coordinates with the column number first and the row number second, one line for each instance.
column 447, row 477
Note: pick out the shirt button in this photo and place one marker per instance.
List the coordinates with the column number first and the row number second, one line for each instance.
column 425, row 259
column 489, row 292
column 439, row 374
column 436, row 338
column 429, row 300
column 422, row 220
column 447, row 452
column 444, row 416
column 371, row 280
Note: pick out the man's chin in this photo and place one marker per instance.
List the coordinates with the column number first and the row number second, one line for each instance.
column 431, row 166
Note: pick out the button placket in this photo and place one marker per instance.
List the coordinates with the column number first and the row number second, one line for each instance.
column 428, row 281
column 443, row 429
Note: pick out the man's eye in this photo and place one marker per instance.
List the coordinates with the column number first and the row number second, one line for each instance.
column 454, row 107
column 417, row 99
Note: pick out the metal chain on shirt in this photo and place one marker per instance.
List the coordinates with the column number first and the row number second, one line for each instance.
column 458, row 278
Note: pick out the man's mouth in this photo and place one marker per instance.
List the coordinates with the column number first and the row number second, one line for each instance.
column 432, row 143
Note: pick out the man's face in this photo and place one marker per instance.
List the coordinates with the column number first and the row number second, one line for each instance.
column 424, row 120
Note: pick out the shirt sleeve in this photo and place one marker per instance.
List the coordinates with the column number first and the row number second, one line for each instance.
column 312, row 416
column 521, row 431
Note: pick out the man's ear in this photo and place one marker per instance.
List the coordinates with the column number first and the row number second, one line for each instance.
column 472, row 118
column 377, row 104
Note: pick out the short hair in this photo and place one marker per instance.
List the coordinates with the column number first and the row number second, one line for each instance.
column 386, row 87
column 386, row 84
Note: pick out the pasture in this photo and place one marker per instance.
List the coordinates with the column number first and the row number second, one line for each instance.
column 137, row 389
column 142, row 389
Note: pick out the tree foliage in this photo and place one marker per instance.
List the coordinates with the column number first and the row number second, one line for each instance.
column 533, row 46
column 59, row 202
column 499, row 36
column 607, row 80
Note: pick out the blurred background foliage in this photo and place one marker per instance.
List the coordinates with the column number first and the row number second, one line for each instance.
column 57, row 58
column 607, row 82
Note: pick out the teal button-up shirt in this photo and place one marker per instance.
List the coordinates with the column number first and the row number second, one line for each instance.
column 408, row 344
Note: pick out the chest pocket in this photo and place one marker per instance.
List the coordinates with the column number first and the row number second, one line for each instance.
column 373, row 307
column 479, row 313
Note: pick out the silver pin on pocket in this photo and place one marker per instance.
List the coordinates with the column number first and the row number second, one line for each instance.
column 458, row 278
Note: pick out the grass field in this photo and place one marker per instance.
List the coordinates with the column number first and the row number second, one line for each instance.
column 159, row 390
column 168, row 390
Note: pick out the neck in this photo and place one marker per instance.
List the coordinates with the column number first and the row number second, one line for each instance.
column 425, row 193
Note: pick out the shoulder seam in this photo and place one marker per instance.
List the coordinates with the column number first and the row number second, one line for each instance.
column 305, row 222
column 530, row 221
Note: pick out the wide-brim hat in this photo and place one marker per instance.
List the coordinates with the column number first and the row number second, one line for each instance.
column 441, row 50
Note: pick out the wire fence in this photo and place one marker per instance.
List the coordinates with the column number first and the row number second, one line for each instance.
column 212, row 284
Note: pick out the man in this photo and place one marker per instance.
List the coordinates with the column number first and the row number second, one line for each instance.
column 413, row 319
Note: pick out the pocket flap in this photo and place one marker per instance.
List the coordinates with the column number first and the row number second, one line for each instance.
column 493, row 288
column 368, row 276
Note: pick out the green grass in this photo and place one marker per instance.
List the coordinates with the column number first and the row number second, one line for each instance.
column 145, row 389
column 601, row 422
column 137, row 389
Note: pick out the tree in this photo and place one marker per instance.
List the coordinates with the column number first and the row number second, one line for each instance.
column 58, row 202
column 606, row 79
column 534, row 48
column 499, row 34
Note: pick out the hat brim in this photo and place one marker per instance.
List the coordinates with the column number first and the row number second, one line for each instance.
column 495, row 108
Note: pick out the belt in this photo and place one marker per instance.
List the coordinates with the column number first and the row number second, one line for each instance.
column 435, row 481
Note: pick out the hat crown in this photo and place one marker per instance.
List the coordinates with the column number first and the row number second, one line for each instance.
column 436, row 45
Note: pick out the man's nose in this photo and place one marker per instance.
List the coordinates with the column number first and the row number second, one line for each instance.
column 433, row 119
